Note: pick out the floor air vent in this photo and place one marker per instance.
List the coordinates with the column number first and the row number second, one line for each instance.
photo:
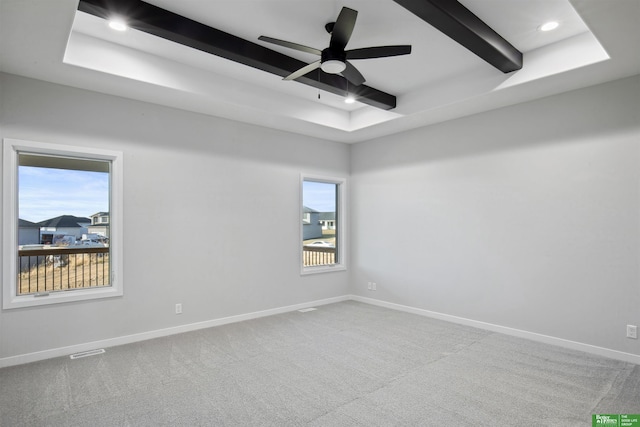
column 304, row 310
column 87, row 353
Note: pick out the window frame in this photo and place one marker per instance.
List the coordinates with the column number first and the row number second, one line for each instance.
column 341, row 225
column 11, row 148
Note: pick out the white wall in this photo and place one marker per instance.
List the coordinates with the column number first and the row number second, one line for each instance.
column 525, row 217
column 214, row 187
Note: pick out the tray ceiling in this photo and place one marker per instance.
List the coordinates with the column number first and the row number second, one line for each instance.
column 440, row 80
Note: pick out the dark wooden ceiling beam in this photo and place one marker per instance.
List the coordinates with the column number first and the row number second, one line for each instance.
column 151, row 19
column 461, row 25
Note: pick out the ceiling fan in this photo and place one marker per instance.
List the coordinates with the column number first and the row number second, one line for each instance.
column 334, row 59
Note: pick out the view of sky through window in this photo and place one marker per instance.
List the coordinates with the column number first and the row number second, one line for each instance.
column 46, row 193
column 319, row 196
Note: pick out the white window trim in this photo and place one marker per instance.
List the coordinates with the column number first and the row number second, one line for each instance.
column 341, row 217
column 11, row 147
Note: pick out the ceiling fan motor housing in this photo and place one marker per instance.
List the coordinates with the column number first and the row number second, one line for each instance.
column 330, row 55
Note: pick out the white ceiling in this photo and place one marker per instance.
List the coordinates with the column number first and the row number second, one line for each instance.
column 597, row 41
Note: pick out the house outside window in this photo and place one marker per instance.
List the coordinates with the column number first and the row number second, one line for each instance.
column 100, row 218
column 54, row 189
column 99, row 228
column 328, row 220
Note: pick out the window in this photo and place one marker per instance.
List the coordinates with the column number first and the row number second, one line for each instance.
column 322, row 225
column 53, row 251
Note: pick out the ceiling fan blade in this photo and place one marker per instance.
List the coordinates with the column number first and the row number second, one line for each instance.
column 378, row 52
column 343, row 28
column 304, row 70
column 290, row 45
column 352, row 74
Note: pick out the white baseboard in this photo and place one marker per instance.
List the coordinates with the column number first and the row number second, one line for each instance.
column 128, row 339
column 560, row 342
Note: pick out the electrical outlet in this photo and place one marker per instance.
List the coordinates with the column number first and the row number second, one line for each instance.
column 369, row 285
column 632, row 332
column 373, row 286
column 178, row 308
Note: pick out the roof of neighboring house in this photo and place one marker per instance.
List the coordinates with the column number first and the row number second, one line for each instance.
column 100, row 214
column 308, row 210
column 64, row 221
column 24, row 223
column 327, row 216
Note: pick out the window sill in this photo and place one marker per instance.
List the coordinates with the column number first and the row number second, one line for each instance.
column 61, row 297
column 322, row 269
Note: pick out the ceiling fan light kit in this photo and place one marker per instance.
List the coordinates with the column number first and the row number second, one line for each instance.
column 333, row 66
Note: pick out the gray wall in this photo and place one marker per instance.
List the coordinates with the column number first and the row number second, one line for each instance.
column 208, row 183
column 525, row 217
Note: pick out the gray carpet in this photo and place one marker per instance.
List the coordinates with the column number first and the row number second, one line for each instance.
column 346, row 364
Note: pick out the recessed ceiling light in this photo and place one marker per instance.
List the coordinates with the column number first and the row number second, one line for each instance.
column 117, row 24
column 349, row 99
column 549, row 26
